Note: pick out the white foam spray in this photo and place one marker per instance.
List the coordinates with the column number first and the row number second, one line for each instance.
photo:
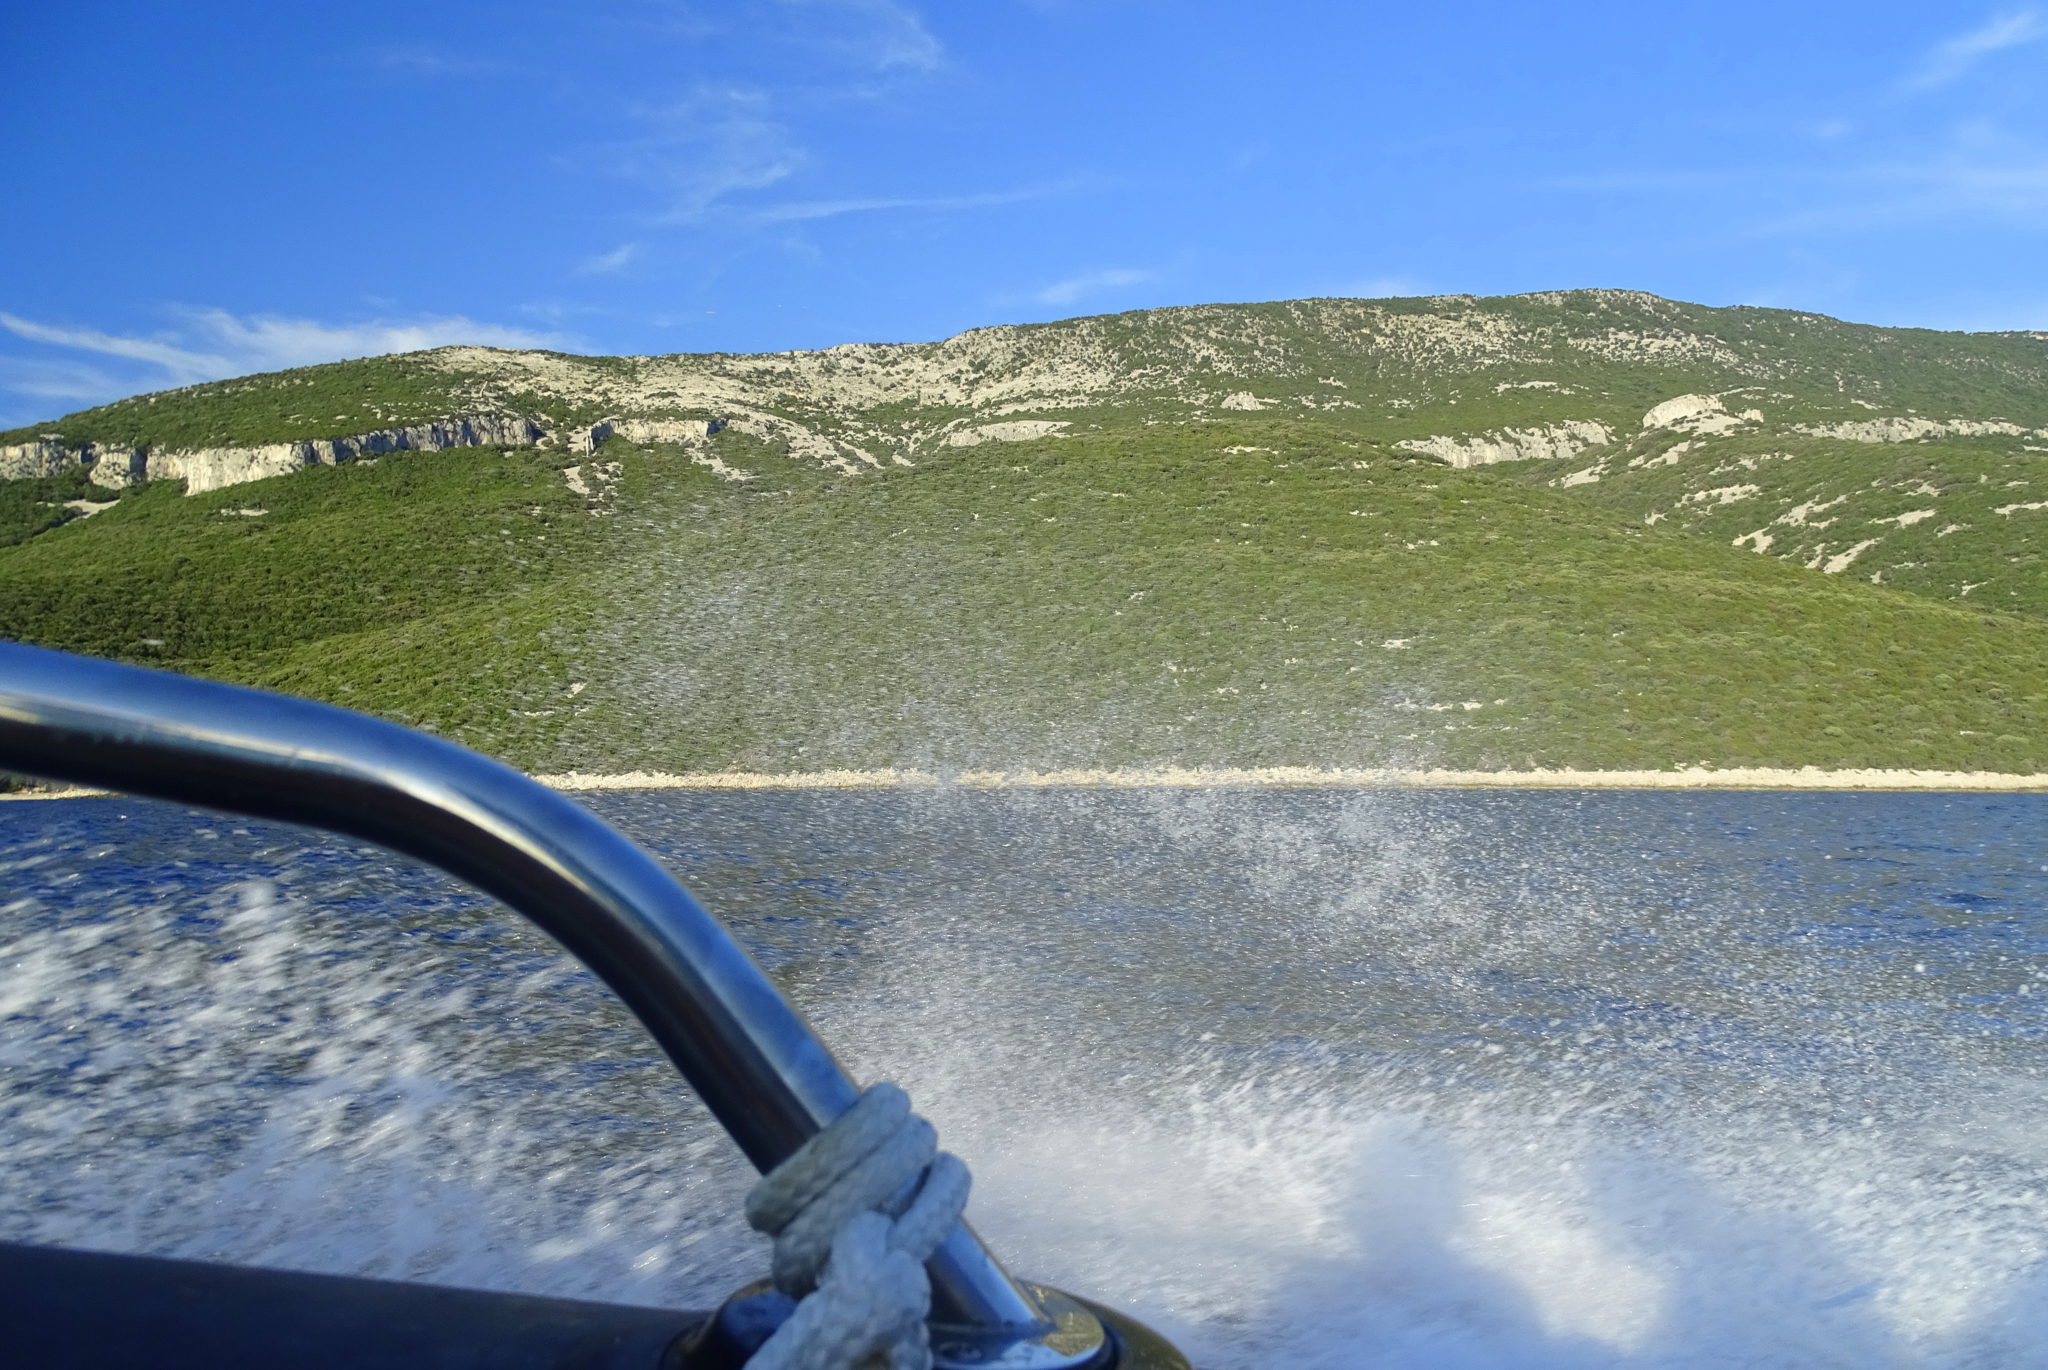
column 1314, row 1081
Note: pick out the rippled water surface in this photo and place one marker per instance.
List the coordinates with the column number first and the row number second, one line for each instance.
column 1444, row 1079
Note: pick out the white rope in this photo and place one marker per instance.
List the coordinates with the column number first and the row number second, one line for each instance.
column 855, row 1213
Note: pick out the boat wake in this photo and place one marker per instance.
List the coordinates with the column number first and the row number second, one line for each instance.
column 1318, row 1080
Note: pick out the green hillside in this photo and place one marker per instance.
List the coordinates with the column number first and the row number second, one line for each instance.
column 1955, row 517
column 474, row 551
column 1213, row 536
column 1162, row 598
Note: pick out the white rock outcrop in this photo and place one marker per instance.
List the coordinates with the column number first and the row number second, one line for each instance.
column 1698, row 414
column 1841, row 561
column 210, row 468
column 847, row 458
column 1905, row 428
column 1566, row 439
column 45, row 457
column 1014, row 430
column 1802, row 515
column 1722, row 497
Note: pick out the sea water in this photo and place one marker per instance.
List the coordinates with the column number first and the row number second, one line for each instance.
column 1315, row 1079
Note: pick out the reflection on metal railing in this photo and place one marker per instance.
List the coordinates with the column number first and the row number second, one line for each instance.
column 729, row 1031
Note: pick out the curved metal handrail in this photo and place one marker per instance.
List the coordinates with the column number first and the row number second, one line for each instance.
column 737, row 1041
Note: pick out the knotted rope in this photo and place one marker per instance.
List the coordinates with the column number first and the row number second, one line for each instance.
column 855, row 1213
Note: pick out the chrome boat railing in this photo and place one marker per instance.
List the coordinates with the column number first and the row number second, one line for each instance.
column 738, row 1042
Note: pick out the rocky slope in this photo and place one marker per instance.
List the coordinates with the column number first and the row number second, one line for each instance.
column 1470, row 380
column 1504, row 531
column 1954, row 507
column 1775, row 430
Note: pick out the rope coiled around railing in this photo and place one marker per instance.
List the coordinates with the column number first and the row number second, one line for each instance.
column 855, row 1213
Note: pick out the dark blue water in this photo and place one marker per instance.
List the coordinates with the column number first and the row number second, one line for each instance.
column 1404, row 1078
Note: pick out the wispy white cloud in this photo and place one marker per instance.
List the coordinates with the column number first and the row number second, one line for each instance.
column 728, row 139
column 1667, row 179
column 560, row 311
column 881, row 35
column 1954, row 58
column 427, row 62
column 1378, row 288
column 272, row 341
column 804, row 210
column 1888, row 194
column 210, row 344
column 714, row 142
column 55, row 379
column 1980, row 173
column 1074, row 289
column 180, row 365
column 609, row 263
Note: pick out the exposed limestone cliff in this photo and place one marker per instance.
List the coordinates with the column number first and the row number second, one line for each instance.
column 211, row 468
column 1914, row 429
column 1698, row 414
column 45, row 457
column 1015, row 430
column 1566, row 439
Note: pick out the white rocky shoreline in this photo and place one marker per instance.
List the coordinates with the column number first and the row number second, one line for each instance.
column 1306, row 777
column 1272, row 778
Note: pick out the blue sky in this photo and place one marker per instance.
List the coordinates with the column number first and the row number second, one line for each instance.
column 223, row 187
